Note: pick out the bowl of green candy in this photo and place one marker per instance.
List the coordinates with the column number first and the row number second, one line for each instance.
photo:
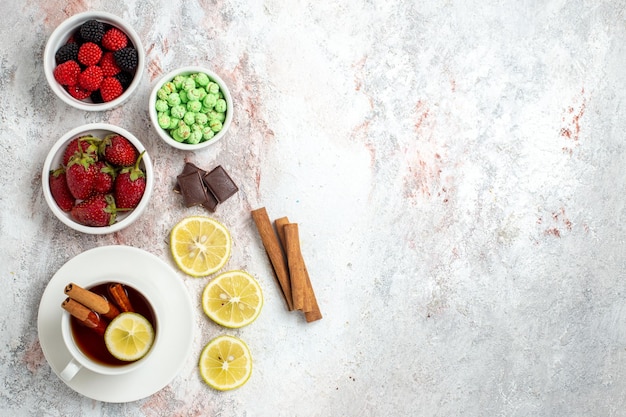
column 191, row 108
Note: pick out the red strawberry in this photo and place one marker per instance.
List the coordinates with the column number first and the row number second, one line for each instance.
column 89, row 54
column 110, row 88
column 130, row 186
column 80, row 174
column 108, row 65
column 91, row 78
column 97, row 211
column 114, row 39
column 118, row 150
column 67, row 73
column 105, row 175
column 88, row 144
column 59, row 190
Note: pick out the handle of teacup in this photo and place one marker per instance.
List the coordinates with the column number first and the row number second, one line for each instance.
column 70, row 370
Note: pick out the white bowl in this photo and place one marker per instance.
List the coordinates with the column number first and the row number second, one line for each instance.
column 60, row 36
column 54, row 160
column 163, row 134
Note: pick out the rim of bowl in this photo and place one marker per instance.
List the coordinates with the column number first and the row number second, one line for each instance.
column 60, row 35
column 55, row 155
column 190, row 70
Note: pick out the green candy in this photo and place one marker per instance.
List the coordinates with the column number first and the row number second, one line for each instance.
column 214, row 115
column 189, row 118
column 174, row 122
column 220, row 105
column 194, row 106
column 194, row 138
column 194, row 94
column 178, row 111
column 207, row 133
column 212, row 88
column 174, row 134
column 201, row 79
column 201, row 118
column 169, row 87
column 183, row 96
column 210, row 100
column 188, row 84
column 164, row 120
column 215, row 125
column 173, row 99
column 178, row 81
column 191, row 108
column 161, row 105
column 163, row 93
column 183, row 131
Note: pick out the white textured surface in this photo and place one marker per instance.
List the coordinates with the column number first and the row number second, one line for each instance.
column 457, row 172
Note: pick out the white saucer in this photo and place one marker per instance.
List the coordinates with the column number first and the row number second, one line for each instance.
column 175, row 328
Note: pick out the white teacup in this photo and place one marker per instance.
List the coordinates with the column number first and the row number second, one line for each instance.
column 82, row 360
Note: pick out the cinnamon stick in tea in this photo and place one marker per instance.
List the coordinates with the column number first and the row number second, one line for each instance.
column 91, row 300
column 119, row 295
column 274, row 252
column 84, row 315
column 311, row 308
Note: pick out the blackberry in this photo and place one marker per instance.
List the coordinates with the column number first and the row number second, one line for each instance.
column 127, row 58
column 124, row 78
column 68, row 52
column 92, row 31
column 96, row 97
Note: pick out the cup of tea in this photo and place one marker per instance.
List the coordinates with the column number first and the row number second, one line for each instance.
column 88, row 314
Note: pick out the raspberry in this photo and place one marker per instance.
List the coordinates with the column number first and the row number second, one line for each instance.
column 91, row 31
column 77, row 92
column 114, row 39
column 89, row 54
column 108, row 65
column 110, row 89
column 91, row 78
column 68, row 52
column 127, row 58
column 67, row 73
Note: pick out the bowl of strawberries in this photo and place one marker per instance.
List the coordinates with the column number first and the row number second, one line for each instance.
column 94, row 61
column 97, row 178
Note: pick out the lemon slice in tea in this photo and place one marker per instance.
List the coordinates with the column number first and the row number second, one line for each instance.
column 129, row 336
column 200, row 245
column 225, row 363
column 232, row 299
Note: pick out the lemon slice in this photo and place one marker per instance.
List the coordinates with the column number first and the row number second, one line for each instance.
column 129, row 336
column 200, row 245
column 225, row 363
column 232, row 299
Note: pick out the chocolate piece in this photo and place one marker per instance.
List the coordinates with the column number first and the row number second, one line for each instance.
column 192, row 188
column 210, row 203
column 188, row 168
column 220, row 184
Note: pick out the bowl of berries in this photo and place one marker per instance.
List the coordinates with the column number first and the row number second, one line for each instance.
column 97, row 178
column 94, row 61
column 191, row 108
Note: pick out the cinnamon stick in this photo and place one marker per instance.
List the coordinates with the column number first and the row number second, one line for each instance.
column 312, row 311
column 295, row 263
column 84, row 315
column 274, row 252
column 91, row 300
column 278, row 225
column 119, row 295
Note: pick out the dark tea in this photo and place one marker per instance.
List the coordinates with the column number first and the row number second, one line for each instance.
column 91, row 343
